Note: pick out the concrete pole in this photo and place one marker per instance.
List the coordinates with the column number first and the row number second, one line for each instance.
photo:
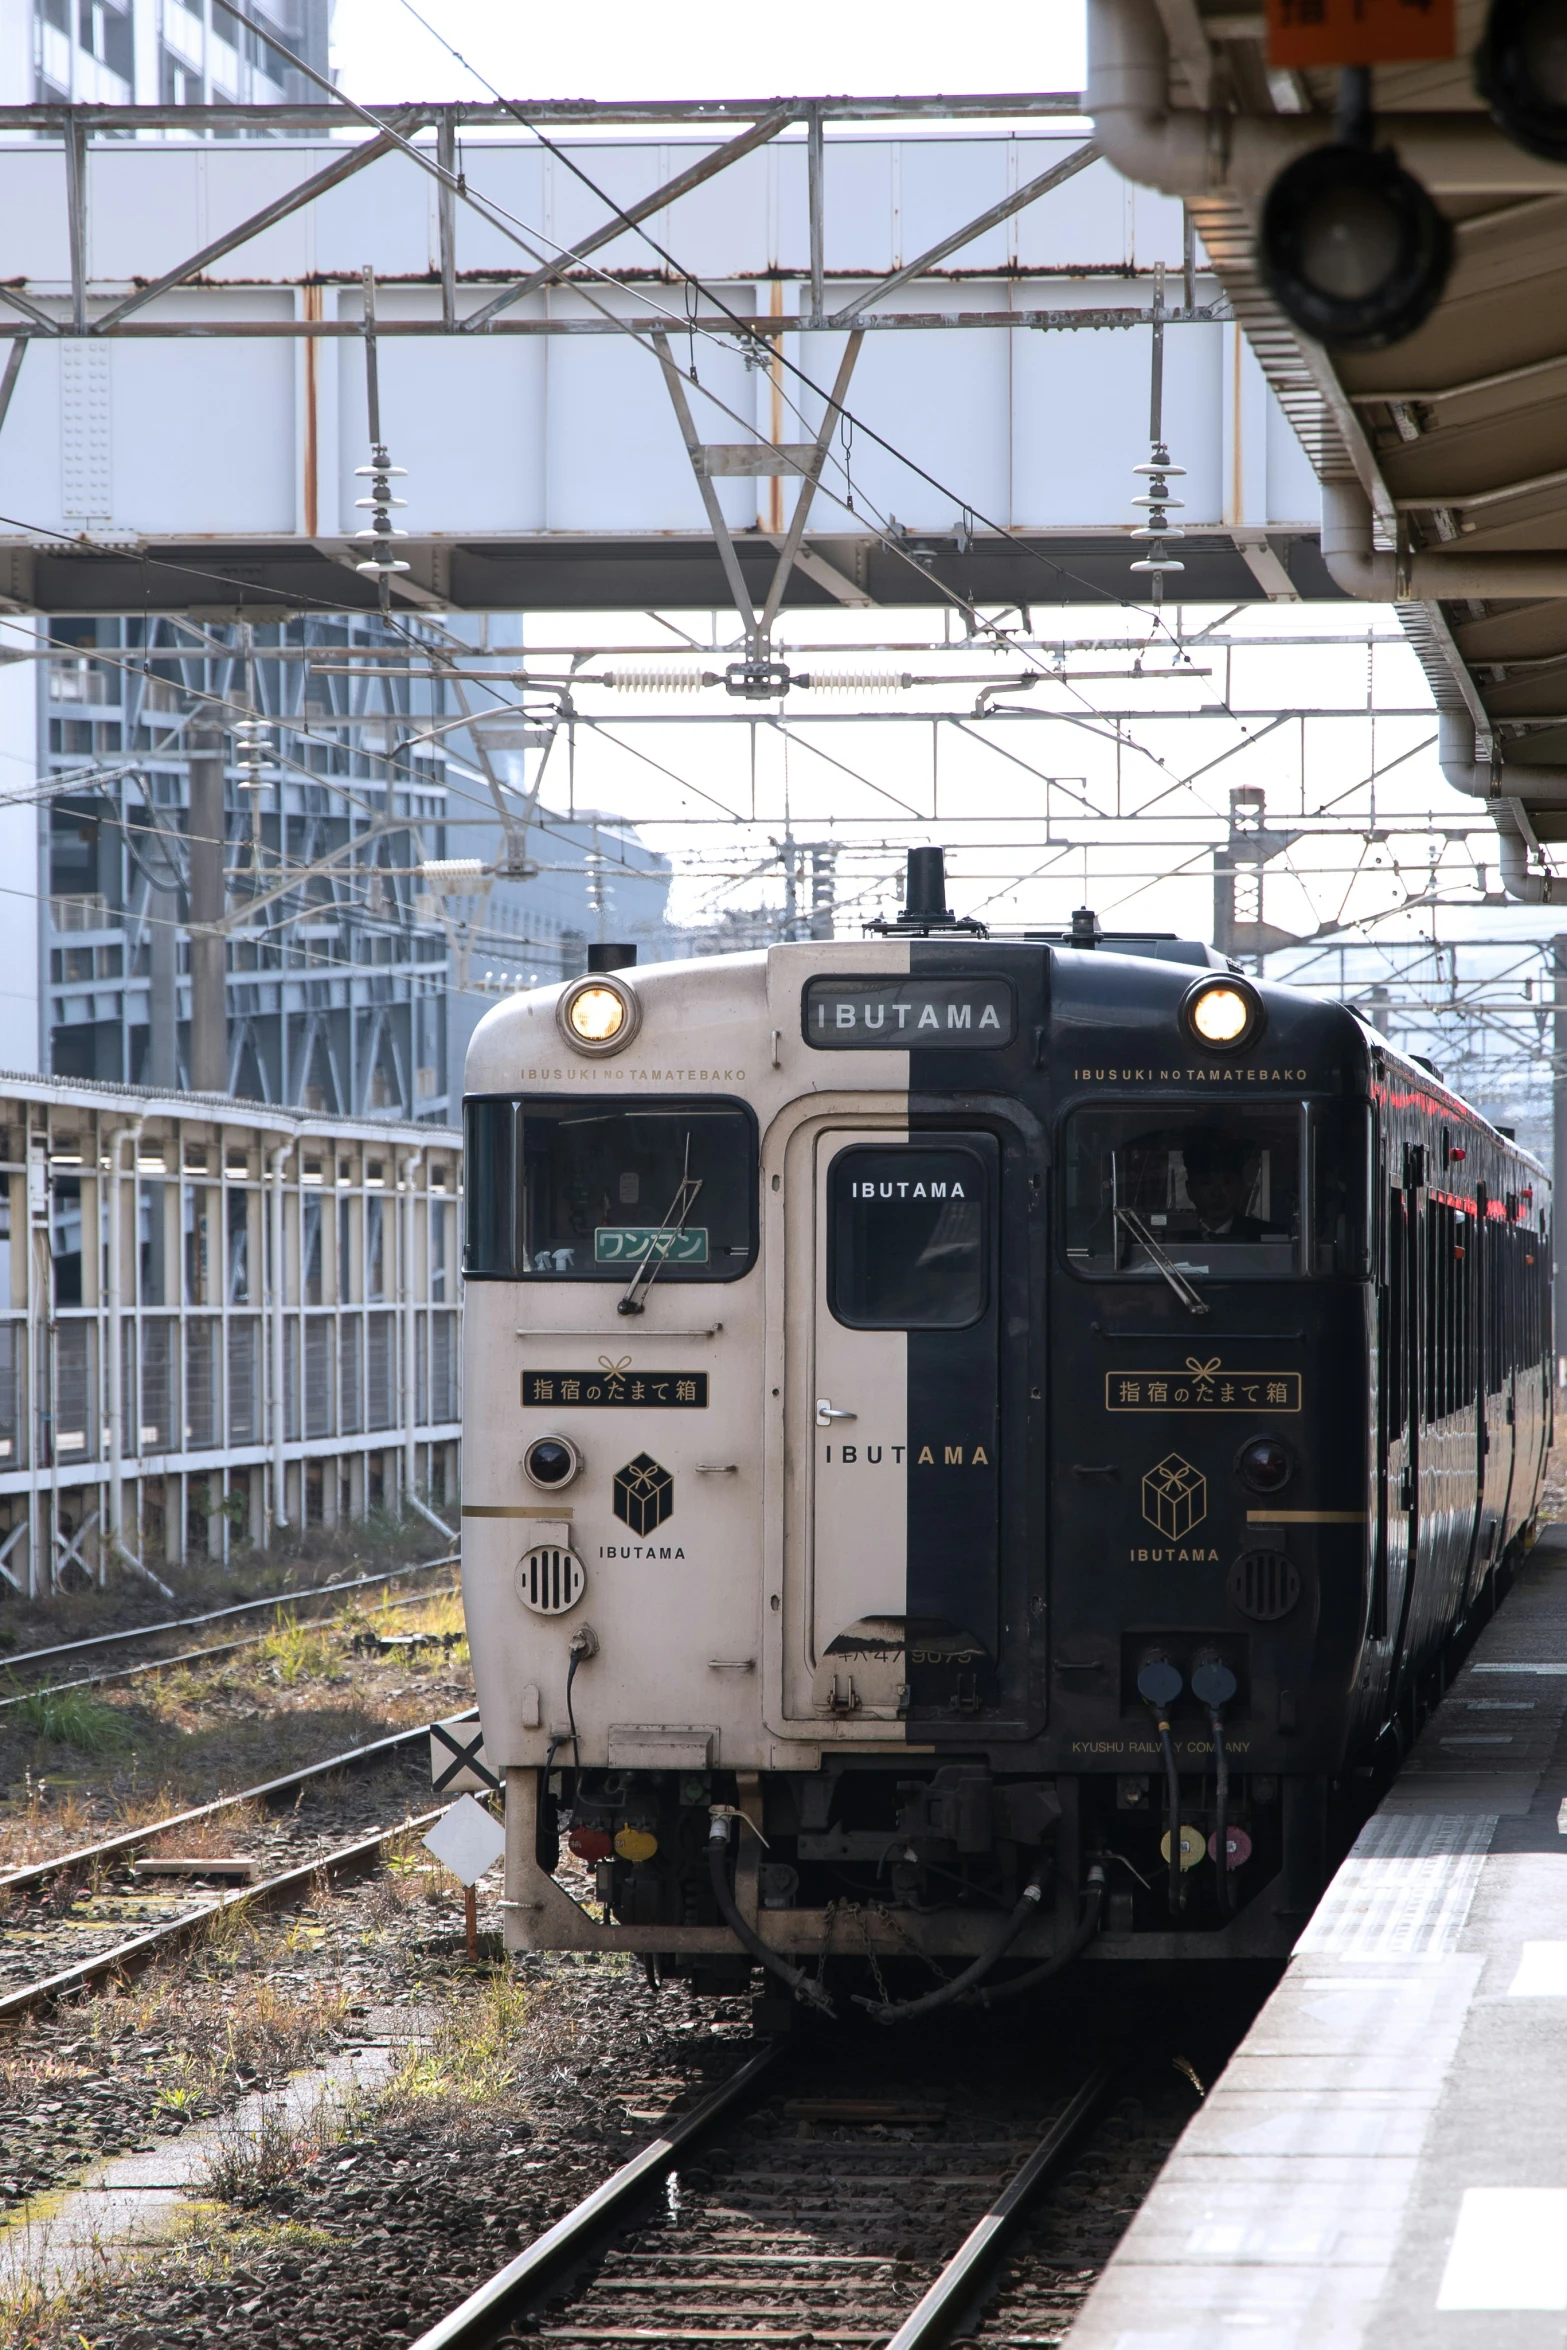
column 209, row 1038
column 163, row 1038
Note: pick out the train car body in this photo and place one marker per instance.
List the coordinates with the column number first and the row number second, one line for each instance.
column 924, row 1397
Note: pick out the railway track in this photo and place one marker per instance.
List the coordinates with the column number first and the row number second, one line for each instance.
column 85, row 1942
column 18, row 1659
column 795, row 2220
column 195, row 1656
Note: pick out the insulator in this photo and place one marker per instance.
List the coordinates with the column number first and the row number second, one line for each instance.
column 1173, row 471
column 653, row 681
column 381, row 570
column 387, row 531
column 1166, row 530
column 857, row 681
column 397, row 472
column 1156, row 563
column 376, row 504
column 1177, row 505
column 452, row 873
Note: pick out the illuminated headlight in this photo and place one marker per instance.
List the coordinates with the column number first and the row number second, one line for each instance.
column 1223, row 1014
column 598, row 1014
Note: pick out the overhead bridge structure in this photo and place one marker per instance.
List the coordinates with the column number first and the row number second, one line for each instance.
column 811, row 352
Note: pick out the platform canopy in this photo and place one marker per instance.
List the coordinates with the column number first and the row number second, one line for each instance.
column 1443, row 457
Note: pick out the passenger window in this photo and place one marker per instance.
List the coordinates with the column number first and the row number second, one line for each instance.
column 907, row 1242
column 579, row 1191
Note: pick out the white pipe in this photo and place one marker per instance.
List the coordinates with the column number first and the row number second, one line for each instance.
column 1531, row 889
column 1372, row 574
column 1507, row 779
column 115, row 1327
column 276, row 1155
column 1187, row 153
column 406, row 1250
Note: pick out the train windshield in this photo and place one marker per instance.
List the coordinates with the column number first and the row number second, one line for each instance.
column 579, row 1191
column 1216, row 1193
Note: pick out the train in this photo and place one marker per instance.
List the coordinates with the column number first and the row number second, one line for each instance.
column 974, row 1447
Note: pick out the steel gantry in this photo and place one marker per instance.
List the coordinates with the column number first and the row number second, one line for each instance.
column 538, row 281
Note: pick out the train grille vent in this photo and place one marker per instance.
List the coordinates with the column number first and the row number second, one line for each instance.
column 550, row 1579
column 1264, row 1585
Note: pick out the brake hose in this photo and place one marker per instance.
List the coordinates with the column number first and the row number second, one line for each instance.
column 1059, row 1959
column 900, row 2013
column 804, row 1986
column 1214, row 1685
column 1172, row 1786
column 1221, row 1801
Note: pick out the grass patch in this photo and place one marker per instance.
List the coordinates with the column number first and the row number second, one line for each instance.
column 251, row 2166
column 293, row 1652
column 472, row 2059
column 75, row 1718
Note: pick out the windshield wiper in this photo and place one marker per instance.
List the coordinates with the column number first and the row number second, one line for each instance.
column 668, row 1233
column 1145, row 1240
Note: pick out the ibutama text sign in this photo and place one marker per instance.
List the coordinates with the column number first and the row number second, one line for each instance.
column 1359, row 32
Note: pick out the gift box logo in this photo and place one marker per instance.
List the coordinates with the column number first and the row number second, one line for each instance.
column 1175, row 1497
column 644, row 1494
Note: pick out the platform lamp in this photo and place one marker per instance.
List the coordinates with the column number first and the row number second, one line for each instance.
column 1350, row 244
column 1520, row 70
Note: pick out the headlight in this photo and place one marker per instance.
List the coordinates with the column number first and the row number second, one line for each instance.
column 1223, row 1013
column 598, row 1014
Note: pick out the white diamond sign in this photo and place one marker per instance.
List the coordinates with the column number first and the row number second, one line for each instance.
column 466, row 1840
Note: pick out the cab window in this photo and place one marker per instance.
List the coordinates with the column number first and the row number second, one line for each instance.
column 591, row 1191
column 1215, row 1192
column 907, row 1243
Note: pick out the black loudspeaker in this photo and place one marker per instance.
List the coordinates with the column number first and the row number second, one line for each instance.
column 1520, row 71
column 1352, row 248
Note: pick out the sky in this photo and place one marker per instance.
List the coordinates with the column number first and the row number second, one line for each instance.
column 702, row 49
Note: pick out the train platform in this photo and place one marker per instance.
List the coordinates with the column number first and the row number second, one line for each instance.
column 1384, row 2159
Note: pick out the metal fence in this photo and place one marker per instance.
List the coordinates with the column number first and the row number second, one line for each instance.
column 217, row 1320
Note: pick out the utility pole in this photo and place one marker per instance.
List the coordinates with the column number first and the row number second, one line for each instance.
column 209, row 1040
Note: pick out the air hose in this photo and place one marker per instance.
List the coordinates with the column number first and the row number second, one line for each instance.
column 1059, row 1959
column 1026, row 1908
column 1221, row 1787
column 805, row 1987
column 1214, row 1685
column 1172, row 1784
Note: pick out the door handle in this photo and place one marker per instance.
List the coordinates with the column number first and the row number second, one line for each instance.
column 827, row 1412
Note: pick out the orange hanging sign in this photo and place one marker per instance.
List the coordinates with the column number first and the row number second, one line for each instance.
column 1359, row 32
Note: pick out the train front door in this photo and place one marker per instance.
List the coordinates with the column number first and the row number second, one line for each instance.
column 904, row 1408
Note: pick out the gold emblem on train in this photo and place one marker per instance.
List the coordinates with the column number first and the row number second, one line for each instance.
column 1175, row 1497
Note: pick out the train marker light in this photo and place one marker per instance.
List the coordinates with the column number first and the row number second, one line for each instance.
column 1521, row 73
column 635, row 1843
column 1352, row 248
column 598, row 1014
column 1264, row 1465
column 1223, row 1013
column 551, row 1461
